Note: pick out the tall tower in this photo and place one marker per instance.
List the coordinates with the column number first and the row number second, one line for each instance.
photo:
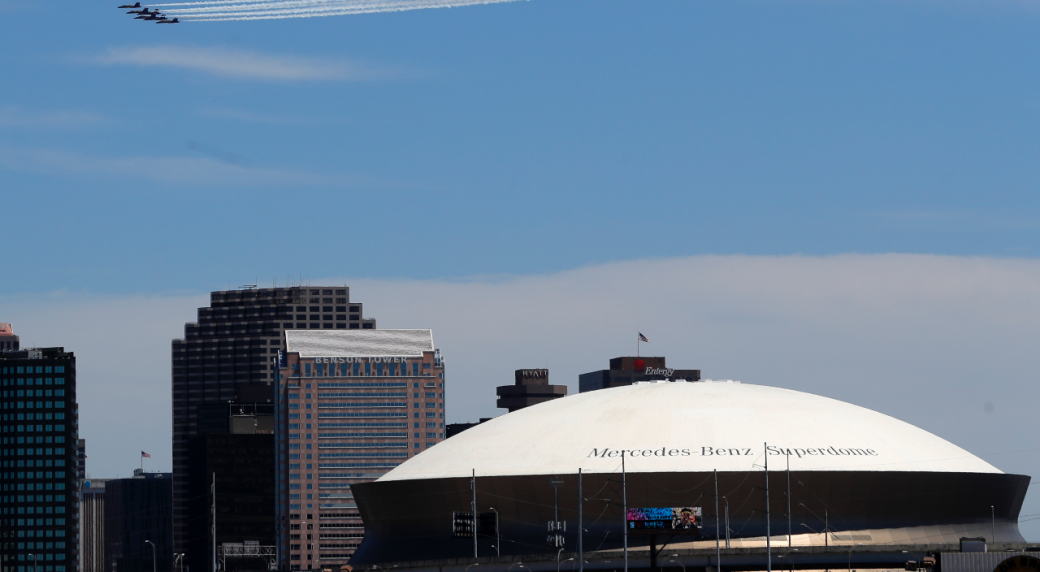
column 226, row 356
column 351, row 407
column 39, row 407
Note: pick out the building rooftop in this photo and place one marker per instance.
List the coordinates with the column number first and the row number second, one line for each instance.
column 359, row 343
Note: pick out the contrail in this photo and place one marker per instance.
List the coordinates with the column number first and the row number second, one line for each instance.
column 241, row 6
column 229, row 10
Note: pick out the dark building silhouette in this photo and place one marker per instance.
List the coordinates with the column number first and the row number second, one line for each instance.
column 236, row 448
column 137, row 510
column 39, row 421
column 531, row 387
column 8, row 341
column 629, row 370
column 453, row 429
column 226, row 356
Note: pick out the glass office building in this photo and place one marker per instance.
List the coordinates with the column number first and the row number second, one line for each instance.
column 39, row 520
column 226, row 356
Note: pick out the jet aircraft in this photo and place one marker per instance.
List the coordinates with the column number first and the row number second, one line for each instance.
column 145, row 12
column 135, row 5
column 173, row 21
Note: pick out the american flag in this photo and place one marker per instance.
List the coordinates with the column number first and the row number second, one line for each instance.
column 145, row 455
column 642, row 338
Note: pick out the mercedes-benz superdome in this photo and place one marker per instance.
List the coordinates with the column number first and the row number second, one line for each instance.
column 849, row 475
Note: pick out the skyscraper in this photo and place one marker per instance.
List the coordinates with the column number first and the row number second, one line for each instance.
column 351, row 406
column 39, row 520
column 226, row 356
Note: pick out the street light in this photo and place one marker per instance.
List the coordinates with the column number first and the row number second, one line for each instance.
column 850, row 554
column 514, row 564
column 33, row 556
column 471, row 565
column 558, row 561
column 678, row 562
column 498, row 540
column 154, row 569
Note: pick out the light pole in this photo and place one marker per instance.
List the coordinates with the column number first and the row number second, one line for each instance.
column 154, row 569
column 677, row 562
column 34, row 561
column 850, row 554
column 558, row 562
column 471, row 565
column 498, row 539
column 514, row 564
column 178, row 558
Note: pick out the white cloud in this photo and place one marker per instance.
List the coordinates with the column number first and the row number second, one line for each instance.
column 237, row 63
column 171, row 170
column 928, row 339
column 11, row 116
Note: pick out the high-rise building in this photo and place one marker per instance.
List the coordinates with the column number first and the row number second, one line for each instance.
column 531, row 387
column 8, row 341
column 238, row 463
column 628, row 370
column 39, row 518
column 139, row 523
column 226, row 356
column 92, row 525
column 352, row 405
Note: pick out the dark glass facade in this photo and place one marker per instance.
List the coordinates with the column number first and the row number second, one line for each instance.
column 138, row 510
column 245, row 496
column 39, row 520
column 226, row 356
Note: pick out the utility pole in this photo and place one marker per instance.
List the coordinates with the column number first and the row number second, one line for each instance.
column 557, row 540
column 213, row 511
column 581, row 529
column 769, row 545
column 826, row 529
column 789, row 531
column 727, row 520
column 473, row 485
column 624, row 508
column 718, row 553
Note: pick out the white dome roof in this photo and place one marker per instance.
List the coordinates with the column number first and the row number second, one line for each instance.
column 688, row 427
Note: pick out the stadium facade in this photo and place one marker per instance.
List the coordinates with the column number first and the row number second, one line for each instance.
column 856, row 477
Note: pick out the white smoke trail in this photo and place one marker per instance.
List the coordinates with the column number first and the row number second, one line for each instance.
column 235, row 10
column 269, row 5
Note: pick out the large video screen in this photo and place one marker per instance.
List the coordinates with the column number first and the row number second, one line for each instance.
column 671, row 519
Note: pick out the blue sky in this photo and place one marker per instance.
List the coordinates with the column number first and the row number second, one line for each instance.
column 514, row 138
column 538, row 180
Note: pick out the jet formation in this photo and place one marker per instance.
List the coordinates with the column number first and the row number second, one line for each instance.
column 148, row 15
